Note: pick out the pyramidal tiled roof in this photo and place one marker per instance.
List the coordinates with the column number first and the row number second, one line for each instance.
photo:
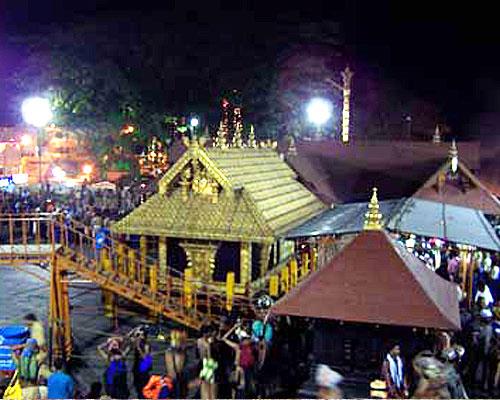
column 374, row 280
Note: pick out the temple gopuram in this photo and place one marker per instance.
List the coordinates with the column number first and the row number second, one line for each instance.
column 223, row 209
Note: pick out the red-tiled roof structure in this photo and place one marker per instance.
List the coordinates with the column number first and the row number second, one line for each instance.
column 490, row 172
column 374, row 280
column 461, row 189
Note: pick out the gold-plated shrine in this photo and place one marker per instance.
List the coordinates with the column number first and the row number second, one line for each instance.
column 246, row 196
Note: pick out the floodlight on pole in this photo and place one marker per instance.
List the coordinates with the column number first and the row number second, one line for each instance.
column 36, row 111
column 194, row 122
column 319, row 111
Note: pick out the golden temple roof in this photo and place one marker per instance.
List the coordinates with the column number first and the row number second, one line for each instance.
column 234, row 194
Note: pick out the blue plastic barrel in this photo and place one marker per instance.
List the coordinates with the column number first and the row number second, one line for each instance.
column 6, row 361
column 13, row 335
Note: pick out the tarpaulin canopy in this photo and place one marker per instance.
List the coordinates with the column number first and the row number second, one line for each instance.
column 375, row 280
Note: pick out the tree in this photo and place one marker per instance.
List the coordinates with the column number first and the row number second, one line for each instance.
column 90, row 91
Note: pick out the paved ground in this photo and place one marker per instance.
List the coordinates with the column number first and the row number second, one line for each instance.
column 22, row 291
column 27, row 290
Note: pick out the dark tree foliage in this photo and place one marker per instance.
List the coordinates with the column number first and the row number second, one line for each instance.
column 106, row 73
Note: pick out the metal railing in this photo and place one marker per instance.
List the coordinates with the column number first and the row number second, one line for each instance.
column 116, row 267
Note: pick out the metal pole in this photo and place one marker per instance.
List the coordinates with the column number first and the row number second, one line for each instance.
column 38, row 144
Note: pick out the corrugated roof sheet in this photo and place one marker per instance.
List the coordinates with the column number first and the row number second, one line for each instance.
column 422, row 217
column 342, row 219
column 454, row 223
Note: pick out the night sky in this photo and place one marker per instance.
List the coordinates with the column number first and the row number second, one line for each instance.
column 444, row 53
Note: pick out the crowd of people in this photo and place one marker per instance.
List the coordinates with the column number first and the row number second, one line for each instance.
column 265, row 357
column 84, row 204
column 479, row 307
column 260, row 358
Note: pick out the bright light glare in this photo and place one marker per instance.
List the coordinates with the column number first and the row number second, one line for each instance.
column 319, row 111
column 36, row 111
column 454, row 164
column 20, row 179
column 194, row 122
column 58, row 173
column 26, row 140
column 87, row 169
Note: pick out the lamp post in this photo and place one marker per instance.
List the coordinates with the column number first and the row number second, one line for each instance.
column 319, row 111
column 36, row 112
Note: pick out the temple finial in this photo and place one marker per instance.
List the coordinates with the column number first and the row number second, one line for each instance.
column 220, row 139
column 223, row 130
column 252, row 143
column 436, row 138
column 373, row 218
column 453, row 155
column 238, row 129
column 453, row 151
column 292, row 150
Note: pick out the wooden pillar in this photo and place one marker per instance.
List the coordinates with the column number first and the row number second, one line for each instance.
column 153, row 279
column 188, row 288
column 131, row 264
column 245, row 263
column 264, row 258
column 294, row 272
column 305, row 262
column 465, row 261
column 108, row 298
column 229, row 290
column 314, row 259
column 120, row 258
column 65, row 316
column 143, row 246
column 274, row 285
column 162, row 258
column 285, row 280
column 59, row 317
column 54, row 346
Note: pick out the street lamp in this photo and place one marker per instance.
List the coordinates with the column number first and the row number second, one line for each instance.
column 319, row 111
column 36, row 112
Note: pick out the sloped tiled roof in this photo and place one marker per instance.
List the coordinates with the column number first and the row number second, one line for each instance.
column 231, row 218
column 461, row 189
column 339, row 173
column 374, row 280
column 271, row 183
column 260, row 199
